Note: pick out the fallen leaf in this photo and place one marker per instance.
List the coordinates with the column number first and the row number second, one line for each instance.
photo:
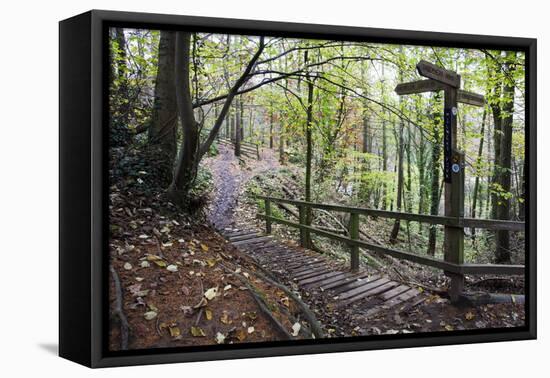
column 211, row 293
column 227, row 288
column 172, row 268
column 296, row 329
column 225, row 318
column 449, row 327
column 250, row 329
column 150, row 315
column 211, row 262
column 469, row 315
column 208, row 314
column 174, row 331
column 240, row 334
column 197, row 332
column 220, row 338
column 160, row 263
column 204, row 247
column 145, row 264
column 285, row 301
column 127, row 266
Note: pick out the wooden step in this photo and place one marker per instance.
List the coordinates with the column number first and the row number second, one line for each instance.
column 347, row 280
column 307, row 281
column 369, row 293
column 367, row 285
column 248, row 241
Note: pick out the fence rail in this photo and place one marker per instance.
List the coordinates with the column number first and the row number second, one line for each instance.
column 354, row 242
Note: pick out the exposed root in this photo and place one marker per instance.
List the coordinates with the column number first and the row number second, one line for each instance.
column 118, row 311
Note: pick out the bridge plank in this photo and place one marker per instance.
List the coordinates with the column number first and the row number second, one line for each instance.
column 322, row 277
column 352, row 278
column 357, row 283
column 244, row 237
column 370, row 293
column 365, row 286
column 248, row 241
column 313, row 273
column 394, row 292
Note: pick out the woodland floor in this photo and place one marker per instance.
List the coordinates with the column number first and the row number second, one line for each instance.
column 182, row 284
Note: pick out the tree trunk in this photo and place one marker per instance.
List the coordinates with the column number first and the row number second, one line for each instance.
column 436, row 156
column 399, row 199
column 502, row 254
column 309, row 150
column 120, row 115
column 164, row 120
column 191, row 151
column 478, row 162
column 188, row 161
column 238, row 127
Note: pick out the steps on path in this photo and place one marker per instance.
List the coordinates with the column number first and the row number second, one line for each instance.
column 311, row 271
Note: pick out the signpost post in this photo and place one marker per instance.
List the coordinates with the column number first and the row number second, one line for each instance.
column 453, row 168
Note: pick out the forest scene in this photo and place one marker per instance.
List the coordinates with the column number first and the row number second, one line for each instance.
column 267, row 189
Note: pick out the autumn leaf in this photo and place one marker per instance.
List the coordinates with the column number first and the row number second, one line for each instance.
column 240, row 334
column 208, row 314
column 211, row 262
column 204, row 247
column 150, row 315
column 172, row 268
column 220, row 338
column 296, row 329
column 174, row 331
column 225, row 318
column 469, row 315
column 197, row 332
column 211, row 293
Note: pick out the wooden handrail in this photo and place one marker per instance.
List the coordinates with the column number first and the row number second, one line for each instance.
column 354, row 242
column 491, row 224
column 422, row 260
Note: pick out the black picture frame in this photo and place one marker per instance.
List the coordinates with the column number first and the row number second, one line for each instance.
column 83, row 265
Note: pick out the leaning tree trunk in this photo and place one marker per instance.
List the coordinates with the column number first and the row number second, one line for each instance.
column 164, row 121
column 188, row 161
column 191, row 150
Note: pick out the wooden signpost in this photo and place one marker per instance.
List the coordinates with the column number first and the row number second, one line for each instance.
column 453, row 167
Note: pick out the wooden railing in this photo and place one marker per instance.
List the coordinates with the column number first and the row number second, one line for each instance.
column 355, row 243
column 248, row 149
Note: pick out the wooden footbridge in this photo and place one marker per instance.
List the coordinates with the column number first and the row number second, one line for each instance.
column 312, row 272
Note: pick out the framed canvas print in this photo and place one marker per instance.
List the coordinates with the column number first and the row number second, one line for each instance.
column 233, row 188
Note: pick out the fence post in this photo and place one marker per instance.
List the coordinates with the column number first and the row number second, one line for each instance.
column 354, row 234
column 302, row 214
column 267, row 202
